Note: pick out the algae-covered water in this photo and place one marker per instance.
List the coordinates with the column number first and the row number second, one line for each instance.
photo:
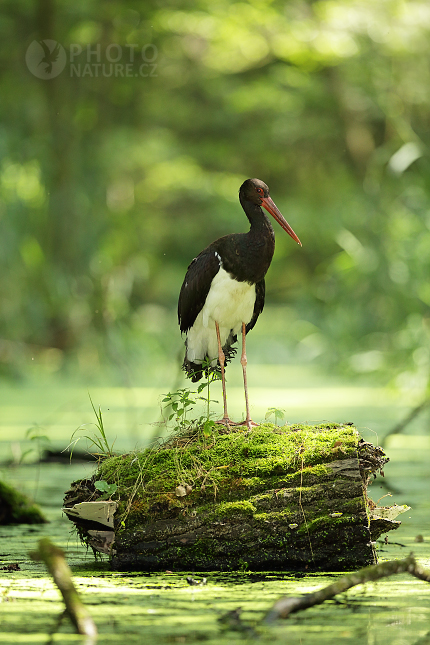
column 143, row 608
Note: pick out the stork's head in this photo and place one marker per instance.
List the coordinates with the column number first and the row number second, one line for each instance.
column 257, row 192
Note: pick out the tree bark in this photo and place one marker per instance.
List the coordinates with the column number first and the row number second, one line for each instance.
column 293, row 498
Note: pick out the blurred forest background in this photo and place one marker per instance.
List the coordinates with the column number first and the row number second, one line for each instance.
column 117, row 171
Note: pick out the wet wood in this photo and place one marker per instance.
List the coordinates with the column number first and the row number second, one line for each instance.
column 53, row 558
column 286, row 606
column 283, row 505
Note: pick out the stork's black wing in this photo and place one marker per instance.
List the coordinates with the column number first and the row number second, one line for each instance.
column 195, row 287
column 260, row 291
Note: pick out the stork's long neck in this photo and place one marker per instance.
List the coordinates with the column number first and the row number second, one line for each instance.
column 260, row 239
column 261, row 226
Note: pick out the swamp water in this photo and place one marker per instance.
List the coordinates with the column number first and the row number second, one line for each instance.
column 139, row 608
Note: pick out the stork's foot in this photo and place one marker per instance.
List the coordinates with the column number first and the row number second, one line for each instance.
column 226, row 421
column 249, row 423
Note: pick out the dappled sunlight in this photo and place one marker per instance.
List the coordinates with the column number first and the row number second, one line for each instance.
column 115, row 171
column 101, row 225
column 22, row 182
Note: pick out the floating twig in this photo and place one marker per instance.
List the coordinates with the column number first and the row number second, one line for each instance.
column 286, row 606
column 53, row 558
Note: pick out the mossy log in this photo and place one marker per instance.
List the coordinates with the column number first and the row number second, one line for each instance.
column 275, row 498
column 16, row 508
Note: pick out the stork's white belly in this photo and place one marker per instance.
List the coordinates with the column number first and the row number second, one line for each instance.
column 228, row 302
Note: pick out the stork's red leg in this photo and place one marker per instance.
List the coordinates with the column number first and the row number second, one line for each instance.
column 221, row 357
column 248, row 421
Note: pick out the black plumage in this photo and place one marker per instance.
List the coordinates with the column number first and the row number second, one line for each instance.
column 223, row 290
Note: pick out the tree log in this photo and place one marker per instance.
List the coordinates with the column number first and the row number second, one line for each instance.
column 290, row 498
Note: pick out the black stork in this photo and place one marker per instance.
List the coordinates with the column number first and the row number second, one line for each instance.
column 223, row 290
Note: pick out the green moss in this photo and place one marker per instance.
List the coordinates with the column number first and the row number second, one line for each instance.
column 229, row 509
column 325, row 522
column 354, row 506
column 232, row 467
column 284, row 516
column 16, row 508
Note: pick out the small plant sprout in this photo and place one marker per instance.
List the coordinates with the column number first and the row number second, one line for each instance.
column 179, row 402
column 182, row 401
column 211, row 377
column 40, row 442
column 107, row 489
column 98, row 439
column 277, row 413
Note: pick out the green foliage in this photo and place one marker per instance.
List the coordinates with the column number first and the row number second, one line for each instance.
column 180, row 403
column 110, row 185
column 243, row 566
column 277, row 413
column 40, row 442
column 107, row 489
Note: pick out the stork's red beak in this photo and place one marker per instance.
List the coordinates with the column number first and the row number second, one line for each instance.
column 270, row 206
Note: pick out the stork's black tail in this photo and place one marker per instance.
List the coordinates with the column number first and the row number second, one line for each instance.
column 195, row 371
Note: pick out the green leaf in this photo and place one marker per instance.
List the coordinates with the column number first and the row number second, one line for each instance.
column 104, row 487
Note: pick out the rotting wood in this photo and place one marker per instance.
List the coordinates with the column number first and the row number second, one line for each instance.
column 277, row 498
column 99, row 512
column 286, row 606
column 53, row 558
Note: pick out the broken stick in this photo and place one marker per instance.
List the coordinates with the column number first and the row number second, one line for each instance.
column 53, row 557
column 286, row 606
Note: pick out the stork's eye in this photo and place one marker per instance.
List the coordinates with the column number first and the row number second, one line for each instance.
column 260, row 191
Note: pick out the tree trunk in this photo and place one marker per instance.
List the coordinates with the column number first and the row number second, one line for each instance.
column 290, row 498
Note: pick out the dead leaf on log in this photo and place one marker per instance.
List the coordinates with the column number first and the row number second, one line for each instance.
column 180, row 491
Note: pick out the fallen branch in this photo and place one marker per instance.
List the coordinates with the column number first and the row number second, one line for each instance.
column 53, row 557
column 286, row 606
column 399, row 427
